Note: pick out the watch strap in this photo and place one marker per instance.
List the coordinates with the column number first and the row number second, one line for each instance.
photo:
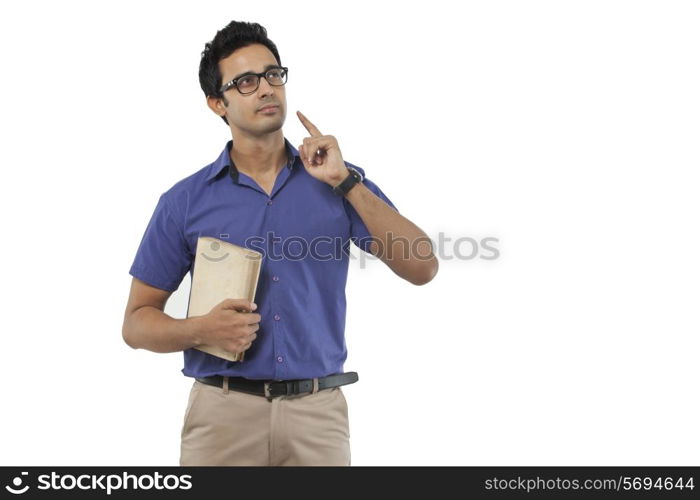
column 344, row 187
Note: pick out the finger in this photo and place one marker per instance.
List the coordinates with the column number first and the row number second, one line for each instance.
column 311, row 150
column 315, row 148
column 315, row 160
column 303, row 157
column 308, row 148
column 315, row 132
column 251, row 318
column 238, row 304
column 324, row 142
column 318, row 157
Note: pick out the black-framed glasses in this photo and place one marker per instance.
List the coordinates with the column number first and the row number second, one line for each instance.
column 249, row 83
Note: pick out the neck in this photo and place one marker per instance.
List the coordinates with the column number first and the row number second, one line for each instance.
column 259, row 155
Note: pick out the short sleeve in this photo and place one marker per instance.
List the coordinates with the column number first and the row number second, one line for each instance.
column 162, row 259
column 359, row 234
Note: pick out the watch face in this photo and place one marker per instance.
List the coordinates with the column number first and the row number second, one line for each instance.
column 356, row 173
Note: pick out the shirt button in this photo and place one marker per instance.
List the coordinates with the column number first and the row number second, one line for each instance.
column 275, row 278
column 269, row 202
column 277, row 317
column 280, row 359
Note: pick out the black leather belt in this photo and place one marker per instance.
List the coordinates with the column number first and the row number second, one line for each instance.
column 275, row 388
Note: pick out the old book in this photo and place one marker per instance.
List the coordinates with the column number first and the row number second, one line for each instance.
column 222, row 271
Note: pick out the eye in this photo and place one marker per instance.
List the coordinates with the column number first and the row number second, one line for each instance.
column 276, row 74
column 247, row 81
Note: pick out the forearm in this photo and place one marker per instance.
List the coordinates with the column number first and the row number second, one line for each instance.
column 398, row 242
column 414, row 261
column 151, row 329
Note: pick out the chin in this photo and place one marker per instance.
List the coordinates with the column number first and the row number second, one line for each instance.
column 272, row 127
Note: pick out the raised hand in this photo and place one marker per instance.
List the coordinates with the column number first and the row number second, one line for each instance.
column 321, row 155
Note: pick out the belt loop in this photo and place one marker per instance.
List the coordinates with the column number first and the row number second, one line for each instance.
column 314, row 390
column 225, row 385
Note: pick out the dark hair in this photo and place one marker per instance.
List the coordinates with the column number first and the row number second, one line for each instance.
column 234, row 36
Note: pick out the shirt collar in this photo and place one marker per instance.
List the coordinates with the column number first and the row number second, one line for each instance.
column 224, row 161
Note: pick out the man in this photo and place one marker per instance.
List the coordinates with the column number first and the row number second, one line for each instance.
column 282, row 405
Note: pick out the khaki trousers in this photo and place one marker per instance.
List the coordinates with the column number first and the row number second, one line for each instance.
column 227, row 427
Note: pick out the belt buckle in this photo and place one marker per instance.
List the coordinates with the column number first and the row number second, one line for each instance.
column 266, row 389
column 288, row 386
column 292, row 387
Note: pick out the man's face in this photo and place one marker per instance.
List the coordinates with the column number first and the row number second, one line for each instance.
column 243, row 112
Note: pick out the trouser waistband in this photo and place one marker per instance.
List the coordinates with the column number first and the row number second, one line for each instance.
column 276, row 388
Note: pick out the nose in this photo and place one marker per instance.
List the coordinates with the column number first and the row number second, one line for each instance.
column 264, row 88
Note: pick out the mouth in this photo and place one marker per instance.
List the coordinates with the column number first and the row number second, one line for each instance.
column 269, row 109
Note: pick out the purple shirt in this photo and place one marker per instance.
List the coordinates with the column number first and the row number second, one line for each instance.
column 303, row 230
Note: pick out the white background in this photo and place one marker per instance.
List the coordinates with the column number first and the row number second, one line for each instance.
column 567, row 130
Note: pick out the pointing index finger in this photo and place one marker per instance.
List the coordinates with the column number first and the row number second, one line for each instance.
column 308, row 125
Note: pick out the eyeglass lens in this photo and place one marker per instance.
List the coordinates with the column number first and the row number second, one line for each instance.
column 249, row 83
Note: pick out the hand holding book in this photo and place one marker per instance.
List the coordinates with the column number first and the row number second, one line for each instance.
column 231, row 325
column 224, row 281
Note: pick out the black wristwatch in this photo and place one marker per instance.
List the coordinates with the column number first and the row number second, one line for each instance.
column 353, row 178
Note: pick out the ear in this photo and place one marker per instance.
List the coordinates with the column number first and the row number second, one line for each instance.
column 216, row 105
